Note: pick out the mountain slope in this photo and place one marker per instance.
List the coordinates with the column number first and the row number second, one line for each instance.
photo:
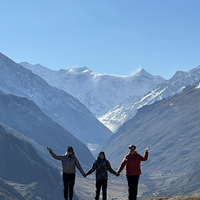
column 100, row 93
column 9, row 193
column 57, row 104
column 24, row 116
column 128, row 108
column 25, row 171
column 170, row 128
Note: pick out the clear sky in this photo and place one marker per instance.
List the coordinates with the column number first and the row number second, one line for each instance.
column 107, row 36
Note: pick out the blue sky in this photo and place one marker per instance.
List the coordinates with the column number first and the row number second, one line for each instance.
column 107, row 36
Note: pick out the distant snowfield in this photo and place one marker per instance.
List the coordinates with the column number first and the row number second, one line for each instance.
column 100, row 93
column 128, row 108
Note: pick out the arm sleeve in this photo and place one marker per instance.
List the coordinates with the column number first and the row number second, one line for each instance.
column 110, row 169
column 79, row 167
column 92, row 169
column 123, row 163
column 55, row 156
column 146, row 154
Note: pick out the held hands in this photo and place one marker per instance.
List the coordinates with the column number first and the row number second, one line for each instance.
column 117, row 174
column 48, row 149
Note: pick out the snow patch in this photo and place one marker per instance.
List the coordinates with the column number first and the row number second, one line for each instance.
column 92, row 147
column 198, row 86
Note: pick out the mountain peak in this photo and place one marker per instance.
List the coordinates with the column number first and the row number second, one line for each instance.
column 141, row 72
column 77, row 70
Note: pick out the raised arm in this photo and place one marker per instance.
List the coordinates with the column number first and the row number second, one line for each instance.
column 146, row 154
column 54, row 155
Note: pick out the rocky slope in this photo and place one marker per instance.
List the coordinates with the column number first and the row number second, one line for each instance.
column 30, row 123
column 57, row 104
column 24, row 174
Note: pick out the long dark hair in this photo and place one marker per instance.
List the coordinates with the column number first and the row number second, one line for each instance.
column 100, row 154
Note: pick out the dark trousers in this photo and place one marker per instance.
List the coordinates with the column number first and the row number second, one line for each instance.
column 103, row 184
column 133, row 186
column 68, row 182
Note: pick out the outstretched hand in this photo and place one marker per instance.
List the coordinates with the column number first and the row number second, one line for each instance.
column 147, row 149
column 48, row 149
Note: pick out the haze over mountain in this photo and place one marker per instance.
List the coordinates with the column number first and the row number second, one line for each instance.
column 59, row 105
column 166, row 119
column 171, row 129
column 24, row 174
column 24, row 116
column 99, row 92
column 128, row 108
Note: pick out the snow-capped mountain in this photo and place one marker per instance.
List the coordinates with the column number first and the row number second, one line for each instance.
column 99, row 92
column 128, row 108
column 59, row 105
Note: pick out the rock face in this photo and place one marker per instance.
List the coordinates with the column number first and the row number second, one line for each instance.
column 25, row 172
column 40, row 130
column 99, row 92
column 57, row 104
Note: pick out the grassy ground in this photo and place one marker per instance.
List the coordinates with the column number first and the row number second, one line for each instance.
column 117, row 188
column 194, row 197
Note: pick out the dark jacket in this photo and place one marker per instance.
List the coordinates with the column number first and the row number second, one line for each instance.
column 132, row 163
column 101, row 166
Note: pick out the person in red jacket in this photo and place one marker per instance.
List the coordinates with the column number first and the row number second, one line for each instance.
column 133, row 171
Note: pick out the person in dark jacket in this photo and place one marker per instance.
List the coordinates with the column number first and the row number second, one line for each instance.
column 69, row 161
column 133, row 171
column 101, row 165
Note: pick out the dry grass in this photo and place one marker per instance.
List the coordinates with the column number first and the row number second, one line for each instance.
column 194, row 197
column 117, row 189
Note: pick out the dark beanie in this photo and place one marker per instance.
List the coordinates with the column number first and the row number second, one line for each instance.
column 70, row 149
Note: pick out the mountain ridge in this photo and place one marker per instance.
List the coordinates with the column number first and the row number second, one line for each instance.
column 18, row 112
column 62, row 107
column 99, row 92
column 126, row 109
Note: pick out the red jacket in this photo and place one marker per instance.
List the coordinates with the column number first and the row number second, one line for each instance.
column 132, row 163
